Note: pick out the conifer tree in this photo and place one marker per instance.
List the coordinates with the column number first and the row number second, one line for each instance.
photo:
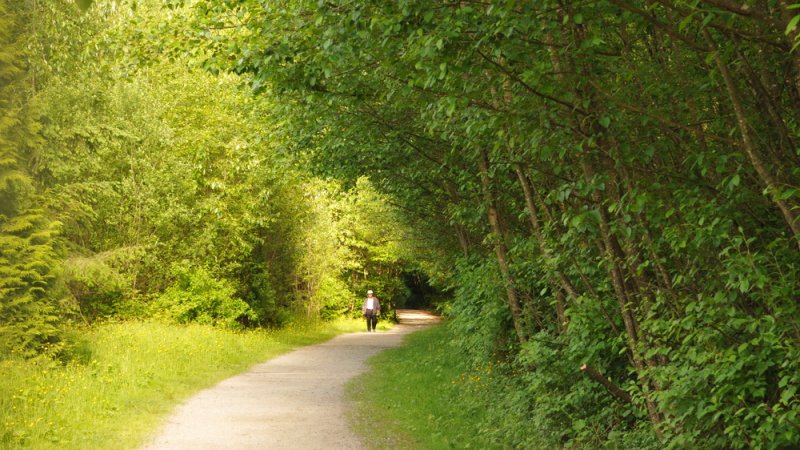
column 28, row 320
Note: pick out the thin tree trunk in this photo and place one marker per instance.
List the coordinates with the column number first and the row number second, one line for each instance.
column 461, row 232
column 610, row 247
column 748, row 145
column 615, row 260
column 533, row 215
column 612, row 388
column 463, row 242
column 769, row 108
column 500, row 248
column 666, row 280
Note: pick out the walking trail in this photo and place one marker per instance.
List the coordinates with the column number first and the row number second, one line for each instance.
column 294, row 401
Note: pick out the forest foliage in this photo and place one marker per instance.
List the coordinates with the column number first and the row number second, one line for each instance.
column 136, row 184
column 610, row 189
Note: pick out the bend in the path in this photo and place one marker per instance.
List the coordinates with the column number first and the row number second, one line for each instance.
column 293, row 401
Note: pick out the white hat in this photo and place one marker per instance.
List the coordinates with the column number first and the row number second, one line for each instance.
column 369, row 292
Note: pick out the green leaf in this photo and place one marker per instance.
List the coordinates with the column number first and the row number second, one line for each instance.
column 788, row 394
column 792, row 25
column 84, row 4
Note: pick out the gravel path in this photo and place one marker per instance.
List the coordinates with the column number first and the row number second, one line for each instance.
column 294, row 401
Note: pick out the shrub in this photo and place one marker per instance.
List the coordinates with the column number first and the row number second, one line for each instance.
column 477, row 314
column 197, row 297
column 334, row 298
column 263, row 299
column 96, row 286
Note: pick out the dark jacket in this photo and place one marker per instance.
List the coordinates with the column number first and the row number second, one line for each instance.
column 376, row 307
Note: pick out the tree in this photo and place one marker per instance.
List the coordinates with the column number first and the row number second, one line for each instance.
column 648, row 240
column 29, row 310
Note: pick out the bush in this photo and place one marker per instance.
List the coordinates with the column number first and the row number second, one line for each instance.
column 263, row 299
column 334, row 298
column 96, row 286
column 477, row 314
column 197, row 297
column 74, row 347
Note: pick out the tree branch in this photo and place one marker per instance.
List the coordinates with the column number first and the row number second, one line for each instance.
column 612, row 388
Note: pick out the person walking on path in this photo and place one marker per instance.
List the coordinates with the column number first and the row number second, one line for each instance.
column 371, row 308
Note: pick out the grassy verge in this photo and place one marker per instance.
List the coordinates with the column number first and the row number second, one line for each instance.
column 415, row 396
column 130, row 376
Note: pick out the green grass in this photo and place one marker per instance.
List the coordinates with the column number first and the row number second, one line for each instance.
column 131, row 376
column 416, row 397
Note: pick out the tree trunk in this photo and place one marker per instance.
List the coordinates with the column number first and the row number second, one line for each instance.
column 500, row 248
column 612, row 388
column 615, row 260
column 748, row 145
column 461, row 232
column 533, row 214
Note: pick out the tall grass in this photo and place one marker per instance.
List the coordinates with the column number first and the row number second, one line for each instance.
column 125, row 377
column 418, row 396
